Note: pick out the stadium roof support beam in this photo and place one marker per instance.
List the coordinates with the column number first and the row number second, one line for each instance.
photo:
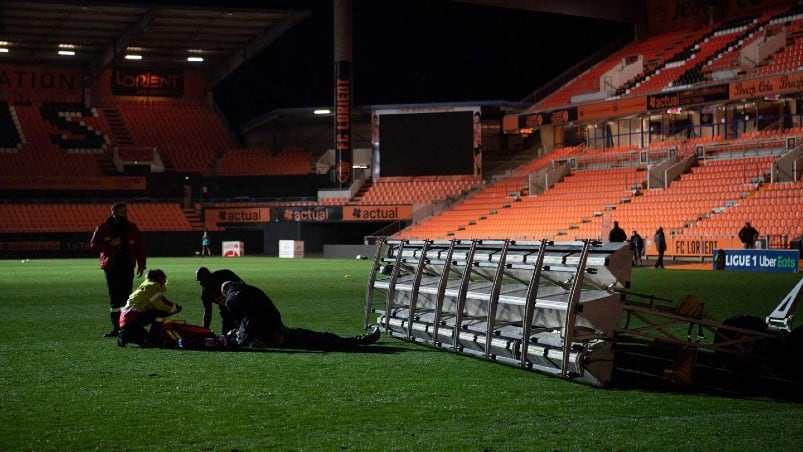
column 256, row 45
column 627, row 11
column 101, row 60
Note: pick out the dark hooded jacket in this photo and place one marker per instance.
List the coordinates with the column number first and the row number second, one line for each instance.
column 255, row 316
column 130, row 252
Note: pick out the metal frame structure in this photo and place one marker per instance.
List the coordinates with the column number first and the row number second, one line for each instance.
column 543, row 306
column 562, row 309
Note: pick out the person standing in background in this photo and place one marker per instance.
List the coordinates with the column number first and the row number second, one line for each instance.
column 617, row 234
column 660, row 246
column 205, row 251
column 120, row 247
column 637, row 245
column 748, row 236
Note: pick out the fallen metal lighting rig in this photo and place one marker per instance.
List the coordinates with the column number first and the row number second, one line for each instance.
column 564, row 309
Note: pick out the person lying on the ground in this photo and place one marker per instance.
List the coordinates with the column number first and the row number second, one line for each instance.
column 259, row 324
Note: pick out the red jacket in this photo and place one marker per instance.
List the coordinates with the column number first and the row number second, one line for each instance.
column 107, row 231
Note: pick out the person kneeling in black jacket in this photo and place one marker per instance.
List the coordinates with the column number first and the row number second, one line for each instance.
column 259, row 324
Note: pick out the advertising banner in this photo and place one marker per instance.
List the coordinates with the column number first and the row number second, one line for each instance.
column 305, row 214
column 132, row 154
column 766, row 86
column 239, row 215
column 773, row 261
column 378, row 213
column 100, row 183
column 343, row 100
column 31, row 245
column 612, row 108
column 291, row 248
column 40, row 80
column 555, row 118
column 308, row 214
column 233, row 249
column 688, row 97
column 127, row 81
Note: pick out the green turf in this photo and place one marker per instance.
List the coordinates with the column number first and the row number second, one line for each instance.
column 64, row 387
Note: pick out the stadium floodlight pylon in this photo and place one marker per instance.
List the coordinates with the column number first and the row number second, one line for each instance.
column 564, row 309
column 543, row 306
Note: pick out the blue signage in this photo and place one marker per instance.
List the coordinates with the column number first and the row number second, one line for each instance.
column 776, row 261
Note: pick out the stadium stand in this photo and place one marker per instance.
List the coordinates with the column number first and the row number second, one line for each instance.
column 568, row 190
column 262, row 161
column 413, row 190
column 560, row 209
column 657, row 48
column 36, row 218
column 684, row 57
column 574, row 208
column 775, row 208
column 54, row 140
column 187, row 135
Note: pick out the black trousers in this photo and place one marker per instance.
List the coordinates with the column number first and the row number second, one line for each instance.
column 660, row 262
column 137, row 334
column 305, row 339
column 120, row 282
column 226, row 321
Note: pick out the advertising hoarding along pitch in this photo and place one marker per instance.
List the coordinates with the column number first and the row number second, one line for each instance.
column 773, row 261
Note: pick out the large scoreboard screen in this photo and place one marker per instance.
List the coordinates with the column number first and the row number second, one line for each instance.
column 426, row 143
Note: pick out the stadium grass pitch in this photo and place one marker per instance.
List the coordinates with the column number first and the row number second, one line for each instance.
column 65, row 387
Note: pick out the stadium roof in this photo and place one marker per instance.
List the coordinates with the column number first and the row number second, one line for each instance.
column 99, row 33
column 224, row 33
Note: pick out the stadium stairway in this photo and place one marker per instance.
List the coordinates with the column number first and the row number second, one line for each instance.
column 497, row 164
column 195, row 220
column 105, row 163
column 361, row 192
column 119, row 131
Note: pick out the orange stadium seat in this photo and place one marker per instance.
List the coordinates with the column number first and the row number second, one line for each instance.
column 47, row 217
column 40, row 156
column 186, row 135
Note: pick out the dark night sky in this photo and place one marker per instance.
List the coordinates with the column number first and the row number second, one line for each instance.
column 414, row 51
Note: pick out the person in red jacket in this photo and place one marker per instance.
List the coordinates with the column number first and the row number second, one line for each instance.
column 120, row 247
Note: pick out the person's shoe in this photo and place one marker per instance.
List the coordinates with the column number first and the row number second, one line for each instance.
column 120, row 341
column 367, row 339
column 112, row 333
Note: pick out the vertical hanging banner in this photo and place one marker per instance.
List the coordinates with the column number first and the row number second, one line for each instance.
column 343, row 151
column 343, row 92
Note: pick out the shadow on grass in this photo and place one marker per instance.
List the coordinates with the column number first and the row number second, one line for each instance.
column 378, row 349
column 638, row 371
